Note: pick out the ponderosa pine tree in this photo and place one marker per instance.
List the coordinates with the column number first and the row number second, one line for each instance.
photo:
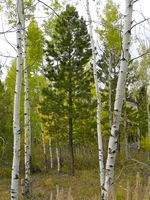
column 66, row 54
column 6, row 137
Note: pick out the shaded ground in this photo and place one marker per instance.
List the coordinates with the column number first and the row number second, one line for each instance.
column 85, row 184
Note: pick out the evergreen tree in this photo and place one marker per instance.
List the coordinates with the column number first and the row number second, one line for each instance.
column 5, row 125
column 66, row 54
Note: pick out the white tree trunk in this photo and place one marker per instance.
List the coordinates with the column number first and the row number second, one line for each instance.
column 125, row 130
column 58, row 158
column 113, row 141
column 50, row 152
column 27, row 141
column 44, row 145
column 148, row 111
column 16, row 115
column 109, row 88
column 138, row 131
column 100, row 144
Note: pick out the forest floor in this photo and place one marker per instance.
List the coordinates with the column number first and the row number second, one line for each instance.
column 48, row 185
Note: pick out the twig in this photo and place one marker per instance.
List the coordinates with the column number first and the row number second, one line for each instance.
column 139, row 56
column 139, row 162
column 140, row 22
column 7, row 56
column 119, row 174
column 48, row 7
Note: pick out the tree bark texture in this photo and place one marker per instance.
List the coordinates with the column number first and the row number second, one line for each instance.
column 27, row 144
column 51, row 152
column 110, row 90
column 113, row 141
column 125, row 130
column 44, row 146
column 148, row 111
column 71, row 136
column 100, row 144
column 16, row 114
column 58, row 158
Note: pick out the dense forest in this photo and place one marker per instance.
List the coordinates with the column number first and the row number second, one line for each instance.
column 75, row 101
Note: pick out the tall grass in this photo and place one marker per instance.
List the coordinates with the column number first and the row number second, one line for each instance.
column 139, row 191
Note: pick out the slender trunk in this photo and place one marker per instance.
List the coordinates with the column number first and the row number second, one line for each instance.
column 138, row 131
column 125, row 131
column 139, row 136
column 110, row 92
column 100, row 144
column 71, row 136
column 44, row 146
column 71, row 147
column 58, row 158
column 16, row 115
column 148, row 112
column 27, row 145
column 113, row 141
column 43, row 137
column 50, row 152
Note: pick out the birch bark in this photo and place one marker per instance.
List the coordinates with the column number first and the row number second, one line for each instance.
column 58, row 158
column 125, row 130
column 43, row 135
column 110, row 92
column 100, row 145
column 50, row 152
column 27, row 144
column 44, row 145
column 113, row 141
column 16, row 114
column 148, row 111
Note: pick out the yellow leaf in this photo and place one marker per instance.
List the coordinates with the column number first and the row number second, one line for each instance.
column 65, row 103
column 53, row 123
column 45, row 116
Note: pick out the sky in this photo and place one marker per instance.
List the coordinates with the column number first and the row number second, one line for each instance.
column 8, row 41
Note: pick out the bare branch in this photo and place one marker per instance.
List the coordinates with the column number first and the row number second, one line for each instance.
column 139, row 162
column 135, row 1
column 6, row 56
column 139, row 56
column 140, row 22
column 8, row 31
column 48, row 7
column 6, row 38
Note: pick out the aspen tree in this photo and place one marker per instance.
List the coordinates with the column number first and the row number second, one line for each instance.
column 43, row 144
column 16, row 115
column 110, row 90
column 148, row 109
column 58, row 158
column 27, row 144
column 125, row 130
column 113, row 141
column 100, row 144
column 50, row 152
